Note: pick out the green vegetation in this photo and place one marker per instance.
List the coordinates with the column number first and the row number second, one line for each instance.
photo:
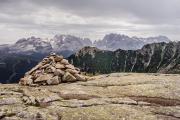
column 152, row 58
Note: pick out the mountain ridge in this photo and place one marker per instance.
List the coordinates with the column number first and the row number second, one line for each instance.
column 156, row 57
column 69, row 44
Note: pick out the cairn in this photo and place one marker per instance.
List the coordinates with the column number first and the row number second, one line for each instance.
column 52, row 70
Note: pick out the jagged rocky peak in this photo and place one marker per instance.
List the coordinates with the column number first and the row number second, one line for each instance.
column 52, row 70
column 72, row 43
column 31, row 44
column 156, row 39
column 119, row 41
column 87, row 50
column 31, row 40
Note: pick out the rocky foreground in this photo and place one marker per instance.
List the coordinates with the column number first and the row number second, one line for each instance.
column 117, row 96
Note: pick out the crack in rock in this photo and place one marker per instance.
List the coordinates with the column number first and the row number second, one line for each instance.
column 77, row 96
column 170, row 116
column 156, row 100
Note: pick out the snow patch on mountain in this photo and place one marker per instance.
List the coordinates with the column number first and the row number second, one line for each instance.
column 68, row 44
column 118, row 41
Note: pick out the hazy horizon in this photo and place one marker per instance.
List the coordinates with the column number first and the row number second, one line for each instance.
column 90, row 18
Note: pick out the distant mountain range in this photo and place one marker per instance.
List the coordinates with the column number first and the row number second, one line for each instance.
column 113, row 42
column 18, row 58
column 68, row 44
column 62, row 44
column 156, row 57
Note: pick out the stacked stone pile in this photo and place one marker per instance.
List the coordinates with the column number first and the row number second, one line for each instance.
column 52, row 70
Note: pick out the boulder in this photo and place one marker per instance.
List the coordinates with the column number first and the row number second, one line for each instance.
column 58, row 58
column 65, row 62
column 54, row 81
column 70, row 66
column 80, row 77
column 72, row 71
column 77, row 69
column 52, row 58
column 45, row 61
column 50, row 69
column 45, row 66
column 68, row 77
column 26, row 80
column 59, row 66
column 43, row 78
column 59, row 72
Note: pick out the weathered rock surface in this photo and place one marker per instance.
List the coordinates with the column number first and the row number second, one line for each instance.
column 52, row 70
column 117, row 96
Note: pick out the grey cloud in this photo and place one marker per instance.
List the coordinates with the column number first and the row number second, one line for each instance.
column 143, row 9
column 162, row 16
column 155, row 10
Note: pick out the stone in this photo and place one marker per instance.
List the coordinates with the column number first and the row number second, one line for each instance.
column 53, row 81
column 26, row 80
column 59, row 72
column 52, row 54
column 52, row 58
column 45, row 66
column 72, row 71
column 43, row 78
column 53, row 69
column 77, row 69
column 35, row 76
column 80, row 77
column 29, row 81
column 50, row 69
column 68, row 77
column 65, row 62
column 70, row 66
column 59, row 66
column 58, row 58
column 23, row 81
column 46, row 61
column 38, row 72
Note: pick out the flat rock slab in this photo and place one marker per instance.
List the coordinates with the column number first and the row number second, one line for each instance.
column 116, row 96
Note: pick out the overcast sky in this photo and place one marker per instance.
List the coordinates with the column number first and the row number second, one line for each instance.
column 88, row 18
